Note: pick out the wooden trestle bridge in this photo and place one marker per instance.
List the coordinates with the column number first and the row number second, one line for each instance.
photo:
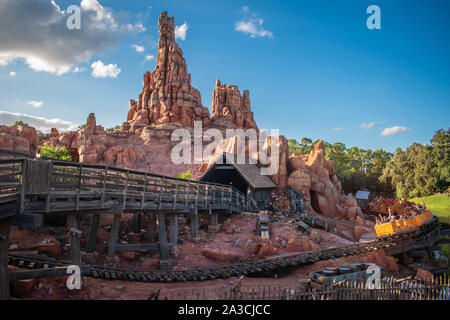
column 38, row 186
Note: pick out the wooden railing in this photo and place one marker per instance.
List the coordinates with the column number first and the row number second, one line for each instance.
column 438, row 289
column 46, row 186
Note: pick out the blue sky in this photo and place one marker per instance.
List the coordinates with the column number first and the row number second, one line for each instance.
column 313, row 68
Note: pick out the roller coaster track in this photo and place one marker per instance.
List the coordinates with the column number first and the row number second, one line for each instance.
column 57, row 187
column 263, row 267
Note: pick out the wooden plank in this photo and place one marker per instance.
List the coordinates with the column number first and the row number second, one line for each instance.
column 173, row 234
column 114, row 234
column 95, row 219
column 4, row 274
column 136, row 226
column 141, row 247
column 75, row 247
column 45, row 273
column 214, row 218
column 125, row 192
column 151, row 228
column 163, row 243
column 194, row 224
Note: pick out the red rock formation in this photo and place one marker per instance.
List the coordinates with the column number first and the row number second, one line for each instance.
column 230, row 109
column 20, row 139
column 167, row 94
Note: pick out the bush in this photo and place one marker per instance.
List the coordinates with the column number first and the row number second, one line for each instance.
column 19, row 123
column 185, row 175
column 54, row 152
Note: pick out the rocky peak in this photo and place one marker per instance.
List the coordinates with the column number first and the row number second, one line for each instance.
column 230, row 109
column 167, row 95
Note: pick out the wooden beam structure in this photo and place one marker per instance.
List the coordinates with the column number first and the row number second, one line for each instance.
column 4, row 274
column 95, row 219
column 45, row 273
column 114, row 234
column 151, row 228
column 56, row 186
column 163, row 243
column 173, row 231
column 194, row 223
column 74, row 238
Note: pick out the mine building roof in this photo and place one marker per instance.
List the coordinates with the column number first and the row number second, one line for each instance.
column 250, row 172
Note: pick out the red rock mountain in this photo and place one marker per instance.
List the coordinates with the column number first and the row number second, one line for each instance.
column 167, row 94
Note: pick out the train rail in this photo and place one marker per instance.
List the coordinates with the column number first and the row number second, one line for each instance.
column 263, row 267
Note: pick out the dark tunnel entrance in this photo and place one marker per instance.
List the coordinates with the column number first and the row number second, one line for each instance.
column 314, row 201
column 228, row 175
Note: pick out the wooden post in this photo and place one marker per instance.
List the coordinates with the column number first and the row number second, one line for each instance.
column 114, row 234
column 214, row 218
column 74, row 238
column 93, row 233
column 4, row 274
column 151, row 229
column 173, row 234
column 136, row 222
column 194, row 224
column 163, row 244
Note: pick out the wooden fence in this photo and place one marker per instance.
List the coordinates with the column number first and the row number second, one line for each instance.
column 390, row 289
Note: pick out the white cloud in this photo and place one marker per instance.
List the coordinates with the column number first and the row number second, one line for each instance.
column 36, row 32
column 252, row 26
column 100, row 70
column 42, row 124
column 338, row 129
column 180, row 31
column 149, row 57
column 394, row 130
column 78, row 70
column 139, row 49
column 12, row 73
column 367, row 126
column 36, row 104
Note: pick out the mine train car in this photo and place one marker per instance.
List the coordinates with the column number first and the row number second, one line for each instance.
column 352, row 272
column 406, row 225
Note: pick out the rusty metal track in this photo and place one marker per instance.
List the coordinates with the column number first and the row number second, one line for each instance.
column 264, row 267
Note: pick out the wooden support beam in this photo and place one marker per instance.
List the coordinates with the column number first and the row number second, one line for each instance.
column 45, row 273
column 136, row 222
column 151, row 228
column 173, row 233
column 194, row 224
column 74, row 238
column 114, row 234
column 95, row 219
column 163, row 243
column 141, row 247
column 4, row 274
column 214, row 218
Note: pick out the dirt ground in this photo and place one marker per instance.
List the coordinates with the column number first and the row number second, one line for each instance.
column 187, row 255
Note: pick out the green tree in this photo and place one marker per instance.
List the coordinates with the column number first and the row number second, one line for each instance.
column 185, row 175
column 19, row 123
column 54, row 152
column 421, row 170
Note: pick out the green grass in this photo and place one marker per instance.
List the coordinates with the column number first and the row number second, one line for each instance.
column 440, row 205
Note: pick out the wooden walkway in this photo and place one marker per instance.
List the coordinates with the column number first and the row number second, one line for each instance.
column 52, row 186
column 38, row 186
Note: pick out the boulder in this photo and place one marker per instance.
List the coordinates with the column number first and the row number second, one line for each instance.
column 220, row 254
